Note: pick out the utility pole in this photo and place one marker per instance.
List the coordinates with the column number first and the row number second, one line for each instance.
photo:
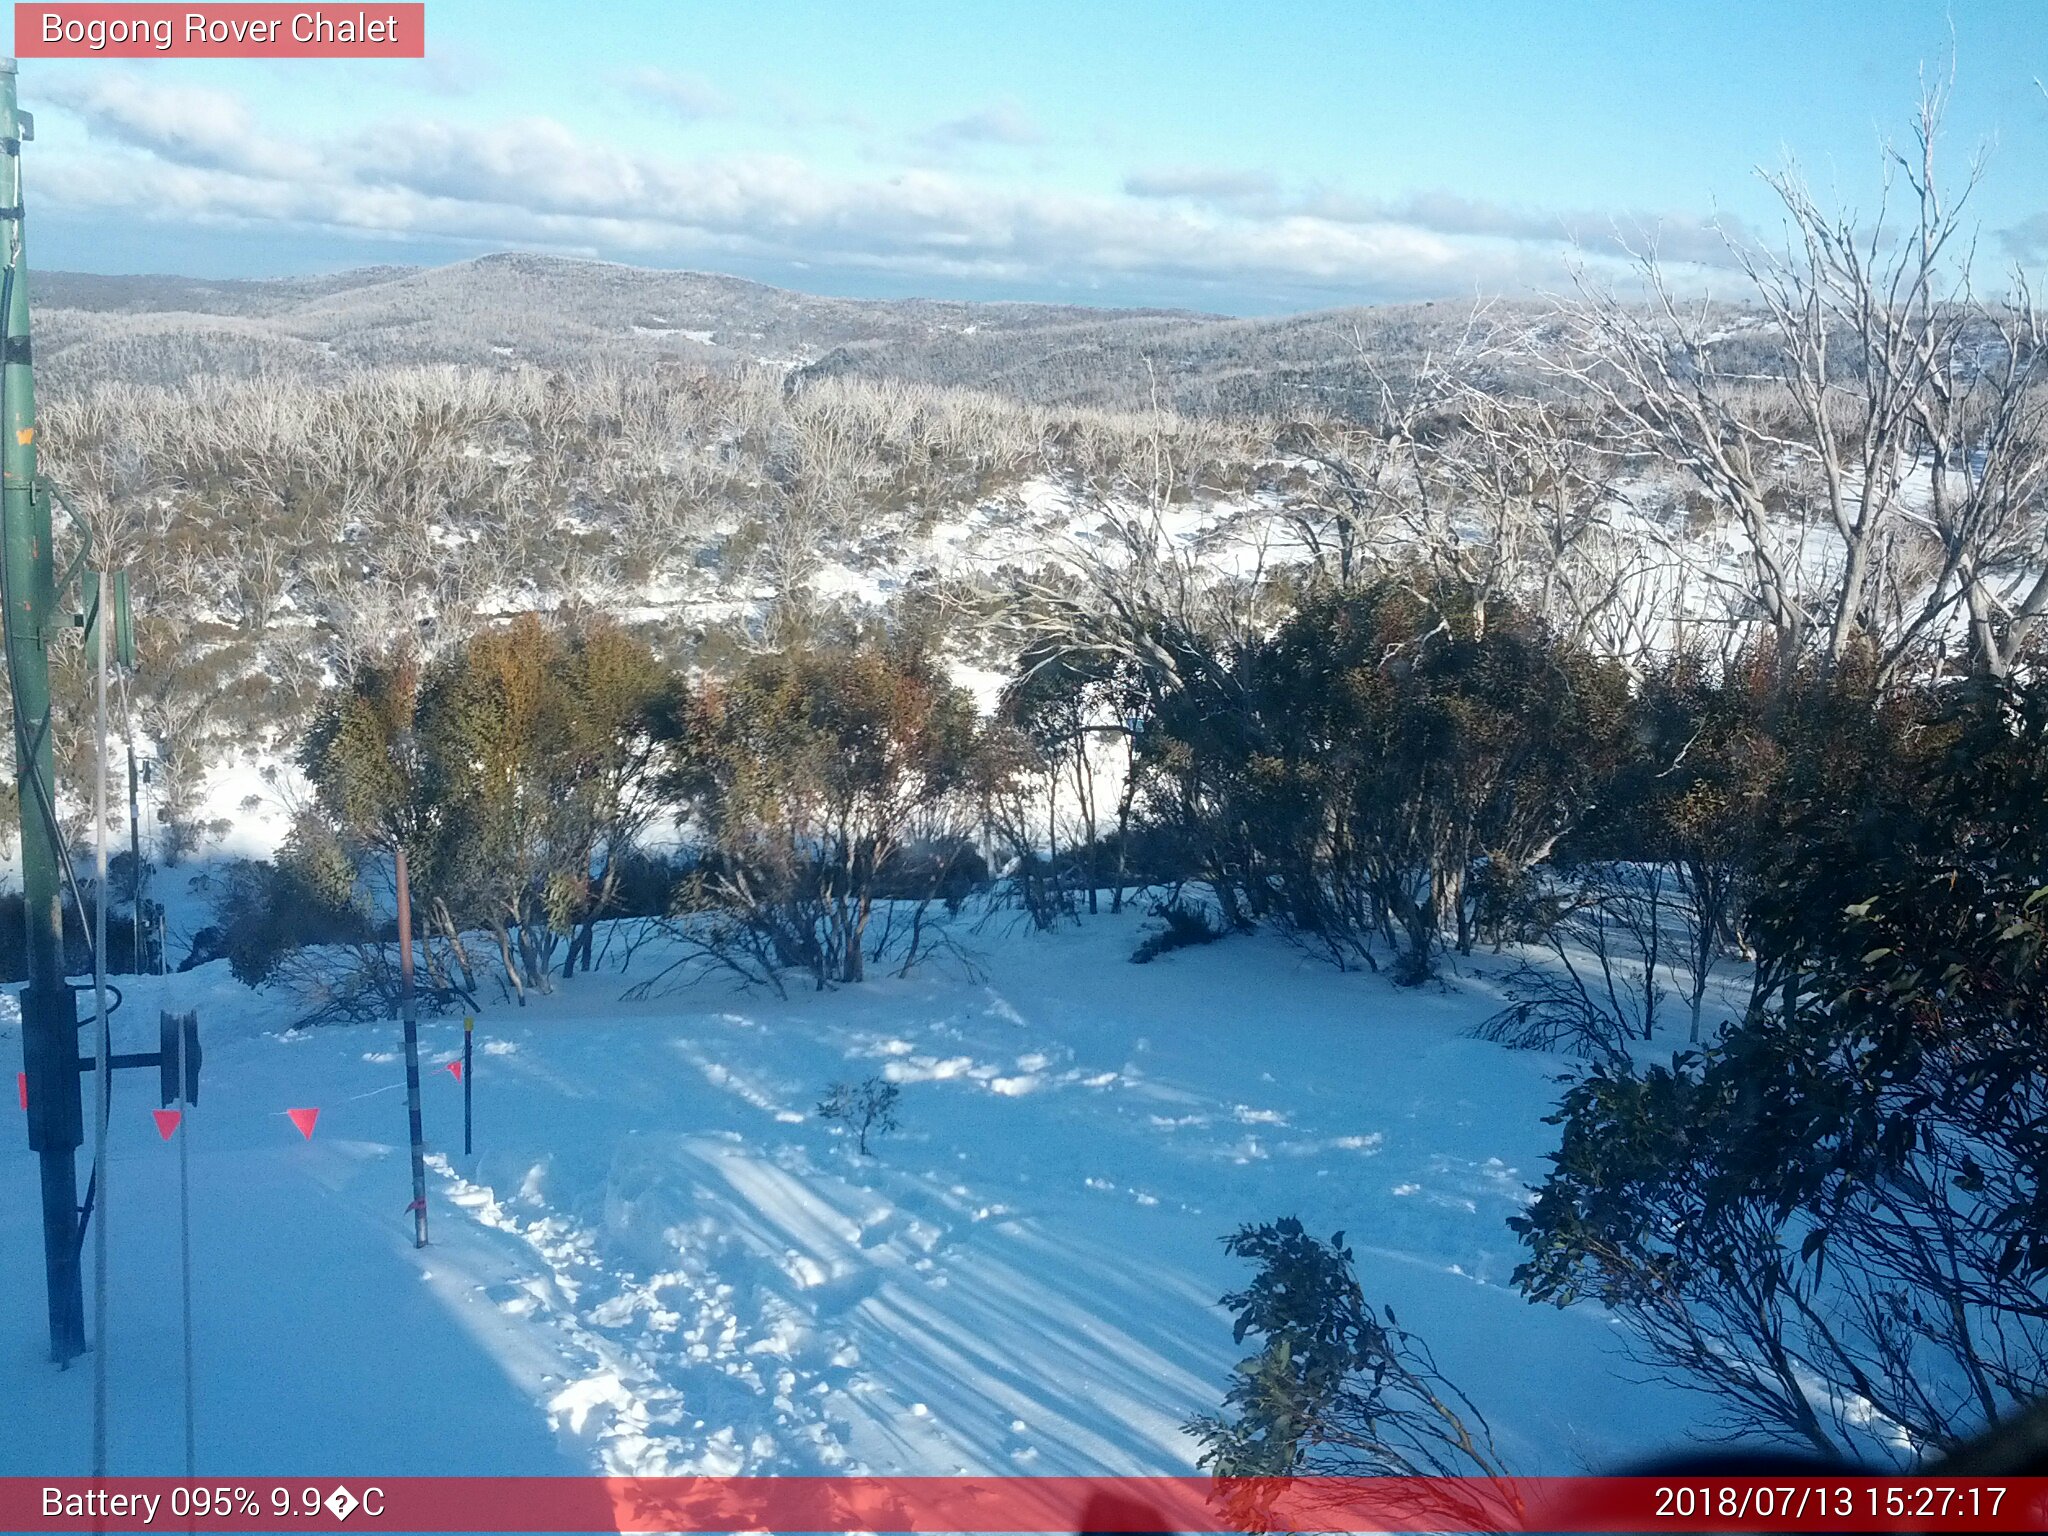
column 49, row 1012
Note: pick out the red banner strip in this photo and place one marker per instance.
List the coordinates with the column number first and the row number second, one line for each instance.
column 362, row 31
column 1020, row 1504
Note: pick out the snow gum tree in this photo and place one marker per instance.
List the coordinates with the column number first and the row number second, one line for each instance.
column 544, row 752
column 1356, row 768
column 1870, row 422
column 1068, row 704
column 515, row 768
column 811, row 772
column 374, row 793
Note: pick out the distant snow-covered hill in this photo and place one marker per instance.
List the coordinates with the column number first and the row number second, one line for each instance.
column 514, row 308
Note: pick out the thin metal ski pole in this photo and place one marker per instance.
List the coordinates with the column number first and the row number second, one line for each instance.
column 185, row 1276
column 409, row 1013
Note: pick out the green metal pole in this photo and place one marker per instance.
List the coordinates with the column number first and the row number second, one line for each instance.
column 49, row 1013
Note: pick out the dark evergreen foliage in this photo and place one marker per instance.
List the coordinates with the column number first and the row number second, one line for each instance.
column 1349, row 776
column 1338, row 1388
column 1831, row 1217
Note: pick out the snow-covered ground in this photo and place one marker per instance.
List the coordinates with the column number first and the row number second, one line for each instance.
column 660, row 1259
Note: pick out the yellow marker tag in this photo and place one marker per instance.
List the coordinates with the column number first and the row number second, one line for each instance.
column 25, row 436
column 468, row 1023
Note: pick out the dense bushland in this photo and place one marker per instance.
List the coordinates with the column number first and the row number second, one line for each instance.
column 1830, row 1216
column 821, row 781
column 1361, row 775
column 515, row 773
column 1826, row 1213
column 535, row 778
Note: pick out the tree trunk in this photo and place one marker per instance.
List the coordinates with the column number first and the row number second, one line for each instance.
column 584, row 940
column 856, row 940
column 505, row 958
column 445, row 920
column 1447, row 899
column 1084, row 792
column 1123, row 826
column 1416, row 963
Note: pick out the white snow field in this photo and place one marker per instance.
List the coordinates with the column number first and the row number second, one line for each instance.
column 660, row 1260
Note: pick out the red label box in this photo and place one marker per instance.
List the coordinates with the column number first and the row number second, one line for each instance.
column 1665, row 1506
column 359, row 31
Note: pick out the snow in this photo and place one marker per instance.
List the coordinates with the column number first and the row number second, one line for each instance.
column 1042, row 518
column 702, row 338
column 661, row 1261
column 984, row 685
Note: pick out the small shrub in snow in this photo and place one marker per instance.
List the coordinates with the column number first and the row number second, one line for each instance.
column 868, row 1108
column 1186, row 926
column 1338, row 1387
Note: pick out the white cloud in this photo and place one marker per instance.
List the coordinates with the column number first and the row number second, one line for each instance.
column 1255, row 194
column 690, row 97
column 1203, row 183
column 184, row 124
column 160, row 152
column 1002, row 122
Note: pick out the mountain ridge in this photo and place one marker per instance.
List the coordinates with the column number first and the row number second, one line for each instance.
column 510, row 308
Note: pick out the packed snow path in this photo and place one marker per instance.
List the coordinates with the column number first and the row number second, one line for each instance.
column 660, row 1259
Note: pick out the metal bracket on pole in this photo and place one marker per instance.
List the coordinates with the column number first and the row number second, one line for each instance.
column 94, row 588
column 176, row 1058
column 56, row 1120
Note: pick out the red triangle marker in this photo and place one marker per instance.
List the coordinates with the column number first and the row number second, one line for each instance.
column 167, row 1121
column 456, row 1068
column 305, row 1120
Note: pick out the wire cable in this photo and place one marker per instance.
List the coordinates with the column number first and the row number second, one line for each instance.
column 27, row 749
column 105, row 1072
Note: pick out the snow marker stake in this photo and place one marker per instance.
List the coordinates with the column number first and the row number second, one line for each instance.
column 408, row 1012
column 468, row 1040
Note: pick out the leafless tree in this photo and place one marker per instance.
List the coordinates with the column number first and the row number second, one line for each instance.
column 1814, row 415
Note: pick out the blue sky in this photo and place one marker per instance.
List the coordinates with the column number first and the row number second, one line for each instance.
column 1246, row 158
